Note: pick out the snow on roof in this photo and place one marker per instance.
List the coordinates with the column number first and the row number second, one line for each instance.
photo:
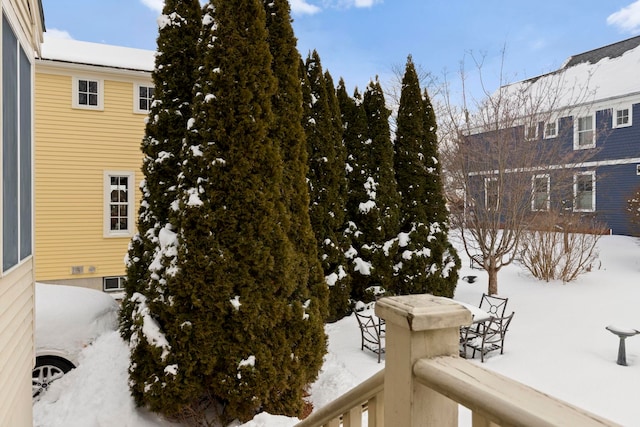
column 605, row 73
column 79, row 52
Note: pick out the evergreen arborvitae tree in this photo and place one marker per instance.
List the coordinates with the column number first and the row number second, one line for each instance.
column 427, row 263
column 445, row 260
column 165, row 132
column 383, row 220
column 361, row 195
column 235, row 327
column 327, row 181
column 306, row 339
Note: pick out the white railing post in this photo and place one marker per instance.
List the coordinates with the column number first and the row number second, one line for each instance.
column 418, row 326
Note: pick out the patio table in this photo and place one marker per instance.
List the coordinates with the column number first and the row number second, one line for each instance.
column 479, row 315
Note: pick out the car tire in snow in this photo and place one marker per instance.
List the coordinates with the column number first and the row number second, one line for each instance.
column 47, row 370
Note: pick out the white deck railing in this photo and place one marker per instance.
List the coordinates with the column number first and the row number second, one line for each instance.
column 424, row 379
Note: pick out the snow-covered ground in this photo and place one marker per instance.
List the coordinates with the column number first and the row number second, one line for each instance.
column 557, row 343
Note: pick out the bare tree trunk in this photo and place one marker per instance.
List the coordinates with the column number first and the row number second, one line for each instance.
column 493, row 280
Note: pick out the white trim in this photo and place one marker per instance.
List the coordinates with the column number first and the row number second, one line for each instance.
column 593, row 190
column 136, row 97
column 614, row 116
column 107, row 232
column 46, row 66
column 533, row 192
column 577, row 132
column 595, row 164
column 75, row 94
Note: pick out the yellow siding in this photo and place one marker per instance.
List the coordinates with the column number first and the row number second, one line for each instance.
column 74, row 147
column 16, row 345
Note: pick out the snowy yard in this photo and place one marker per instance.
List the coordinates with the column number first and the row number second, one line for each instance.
column 557, row 343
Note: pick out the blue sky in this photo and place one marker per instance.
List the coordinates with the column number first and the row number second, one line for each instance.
column 359, row 39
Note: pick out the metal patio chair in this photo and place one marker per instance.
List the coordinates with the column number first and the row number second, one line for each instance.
column 490, row 338
column 372, row 332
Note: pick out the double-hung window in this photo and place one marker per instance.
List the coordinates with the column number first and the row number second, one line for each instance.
column 143, row 98
column 584, row 132
column 584, row 192
column 88, row 93
column 531, row 131
column 540, row 193
column 118, row 189
column 622, row 117
column 551, row 129
column 491, row 193
column 17, row 210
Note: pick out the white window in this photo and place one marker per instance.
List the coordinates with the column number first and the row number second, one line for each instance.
column 111, row 284
column 491, row 193
column 143, row 97
column 551, row 129
column 118, row 204
column 584, row 132
column 622, row 117
column 540, row 193
column 584, row 192
column 531, row 131
column 87, row 93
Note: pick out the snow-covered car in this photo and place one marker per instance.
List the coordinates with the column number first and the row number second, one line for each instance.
column 67, row 319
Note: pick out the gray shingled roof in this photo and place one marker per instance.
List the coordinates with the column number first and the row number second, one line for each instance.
column 611, row 51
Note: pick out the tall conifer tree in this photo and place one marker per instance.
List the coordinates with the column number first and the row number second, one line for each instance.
column 144, row 310
column 361, row 194
column 444, row 257
column 327, row 181
column 306, row 339
column 236, row 327
column 427, row 262
column 384, row 217
column 165, row 131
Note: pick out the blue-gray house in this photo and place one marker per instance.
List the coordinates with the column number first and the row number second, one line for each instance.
column 588, row 113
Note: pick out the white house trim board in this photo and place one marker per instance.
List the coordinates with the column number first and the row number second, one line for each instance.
column 595, row 164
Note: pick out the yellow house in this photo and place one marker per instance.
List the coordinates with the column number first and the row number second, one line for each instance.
column 91, row 104
column 21, row 34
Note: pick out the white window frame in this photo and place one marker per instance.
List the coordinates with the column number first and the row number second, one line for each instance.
column 548, row 135
column 576, row 176
column 130, row 203
column 577, row 132
column 614, row 116
column 486, row 192
column 528, row 128
column 533, row 191
column 76, row 93
column 136, row 97
column 120, row 287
